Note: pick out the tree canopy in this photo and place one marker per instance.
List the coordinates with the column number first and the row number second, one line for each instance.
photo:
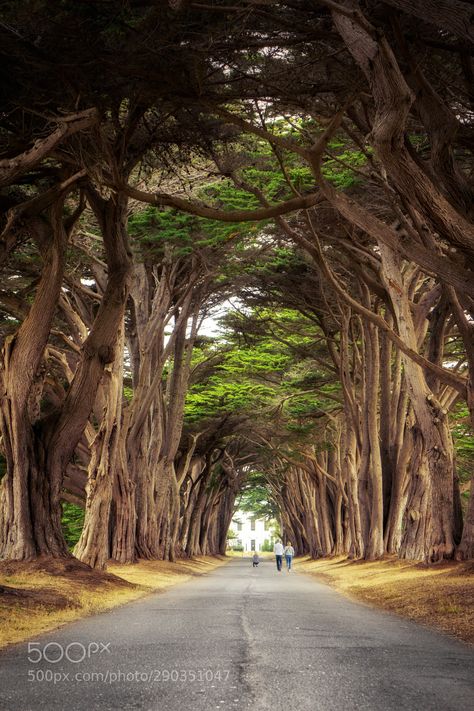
column 300, row 170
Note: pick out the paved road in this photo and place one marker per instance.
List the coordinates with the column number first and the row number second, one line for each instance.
column 240, row 639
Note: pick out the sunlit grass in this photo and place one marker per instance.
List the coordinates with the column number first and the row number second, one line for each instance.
column 159, row 574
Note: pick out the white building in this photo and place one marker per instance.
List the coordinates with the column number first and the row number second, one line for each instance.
column 251, row 532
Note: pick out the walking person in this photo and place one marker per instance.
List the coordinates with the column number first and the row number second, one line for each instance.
column 278, row 550
column 289, row 553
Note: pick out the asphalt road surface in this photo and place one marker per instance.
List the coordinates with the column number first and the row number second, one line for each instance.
column 240, row 638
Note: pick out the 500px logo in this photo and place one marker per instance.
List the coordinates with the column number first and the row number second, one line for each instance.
column 74, row 652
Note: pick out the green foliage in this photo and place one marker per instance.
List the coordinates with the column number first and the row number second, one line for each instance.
column 128, row 393
column 463, row 441
column 218, row 396
column 265, row 379
column 153, row 229
column 463, row 438
column 263, row 357
column 241, row 382
column 340, row 172
column 255, row 497
column 72, row 522
column 158, row 231
column 267, row 546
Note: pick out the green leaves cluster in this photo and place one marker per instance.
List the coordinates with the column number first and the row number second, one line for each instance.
column 464, row 445
column 242, row 382
column 153, row 228
column 262, row 375
column 72, row 522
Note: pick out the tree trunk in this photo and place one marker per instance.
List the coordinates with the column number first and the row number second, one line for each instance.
column 375, row 545
column 93, row 545
column 465, row 549
column 30, row 512
column 429, row 532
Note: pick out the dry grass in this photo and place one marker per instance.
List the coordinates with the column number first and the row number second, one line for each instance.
column 160, row 575
column 37, row 597
column 440, row 596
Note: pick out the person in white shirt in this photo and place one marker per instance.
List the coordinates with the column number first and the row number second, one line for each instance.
column 289, row 553
column 278, row 550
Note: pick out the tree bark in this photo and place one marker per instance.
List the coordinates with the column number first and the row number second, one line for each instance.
column 30, row 512
column 465, row 549
column 93, row 545
column 429, row 532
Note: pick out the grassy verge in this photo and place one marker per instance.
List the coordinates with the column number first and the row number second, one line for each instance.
column 440, row 596
column 248, row 554
column 41, row 596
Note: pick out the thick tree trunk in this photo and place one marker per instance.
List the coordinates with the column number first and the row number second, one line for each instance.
column 192, row 545
column 93, row 545
column 375, row 545
column 398, row 494
column 123, row 514
column 387, row 423
column 30, row 512
column 30, row 523
column 150, row 489
column 429, row 532
column 225, row 518
column 352, row 479
column 189, row 504
column 465, row 549
column 327, row 541
column 351, row 441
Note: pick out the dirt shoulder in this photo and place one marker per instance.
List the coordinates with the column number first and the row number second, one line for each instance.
column 440, row 596
column 45, row 594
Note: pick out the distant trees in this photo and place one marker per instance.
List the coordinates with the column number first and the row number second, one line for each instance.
column 323, row 480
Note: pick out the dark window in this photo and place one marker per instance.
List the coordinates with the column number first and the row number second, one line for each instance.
column 252, row 545
column 252, row 526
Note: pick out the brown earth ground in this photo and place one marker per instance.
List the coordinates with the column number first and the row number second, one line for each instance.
column 439, row 596
column 42, row 595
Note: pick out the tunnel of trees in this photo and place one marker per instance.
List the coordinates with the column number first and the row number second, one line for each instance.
column 299, row 173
